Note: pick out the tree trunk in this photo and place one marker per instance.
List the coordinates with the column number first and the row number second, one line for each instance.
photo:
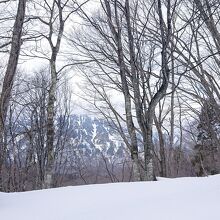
column 162, row 160
column 48, row 179
column 50, row 126
column 165, row 36
column 148, row 156
column 9, row 77
column 129, row 120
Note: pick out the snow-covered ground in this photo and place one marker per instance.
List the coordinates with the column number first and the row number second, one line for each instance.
column 167, row 199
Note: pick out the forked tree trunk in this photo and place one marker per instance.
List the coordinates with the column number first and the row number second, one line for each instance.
column 165, row 37
column 137, row 174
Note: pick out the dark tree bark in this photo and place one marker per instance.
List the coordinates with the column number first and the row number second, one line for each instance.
column 165, row 38
column 10, row 74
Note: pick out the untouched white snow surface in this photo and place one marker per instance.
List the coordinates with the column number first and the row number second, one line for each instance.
column 167, row 199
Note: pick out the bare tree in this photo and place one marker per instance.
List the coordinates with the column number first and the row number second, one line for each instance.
column 125, row 52
column 10, row 74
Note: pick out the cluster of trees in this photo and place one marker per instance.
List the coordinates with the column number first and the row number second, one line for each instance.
column 149, row 67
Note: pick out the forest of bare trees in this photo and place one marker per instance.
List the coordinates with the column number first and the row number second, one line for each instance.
column 144, row 71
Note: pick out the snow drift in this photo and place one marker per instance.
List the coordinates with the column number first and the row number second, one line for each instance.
column 166, row 199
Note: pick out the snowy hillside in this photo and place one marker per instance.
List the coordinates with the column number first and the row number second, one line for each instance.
column 174, row 199
column 93, row 135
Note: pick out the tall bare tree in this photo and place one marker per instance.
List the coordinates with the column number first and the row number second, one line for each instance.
column 10, row 73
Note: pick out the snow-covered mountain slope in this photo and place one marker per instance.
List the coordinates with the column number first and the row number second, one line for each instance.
column 93, row 135
column 167, row 199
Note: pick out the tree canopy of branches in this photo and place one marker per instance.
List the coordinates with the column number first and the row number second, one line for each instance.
column 147, row 70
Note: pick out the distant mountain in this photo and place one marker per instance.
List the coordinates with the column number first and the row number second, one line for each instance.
column 93, row 136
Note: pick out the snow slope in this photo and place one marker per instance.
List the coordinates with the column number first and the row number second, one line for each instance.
column 167, row 199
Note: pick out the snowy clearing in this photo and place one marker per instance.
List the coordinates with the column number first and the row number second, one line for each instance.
column 167, row 199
